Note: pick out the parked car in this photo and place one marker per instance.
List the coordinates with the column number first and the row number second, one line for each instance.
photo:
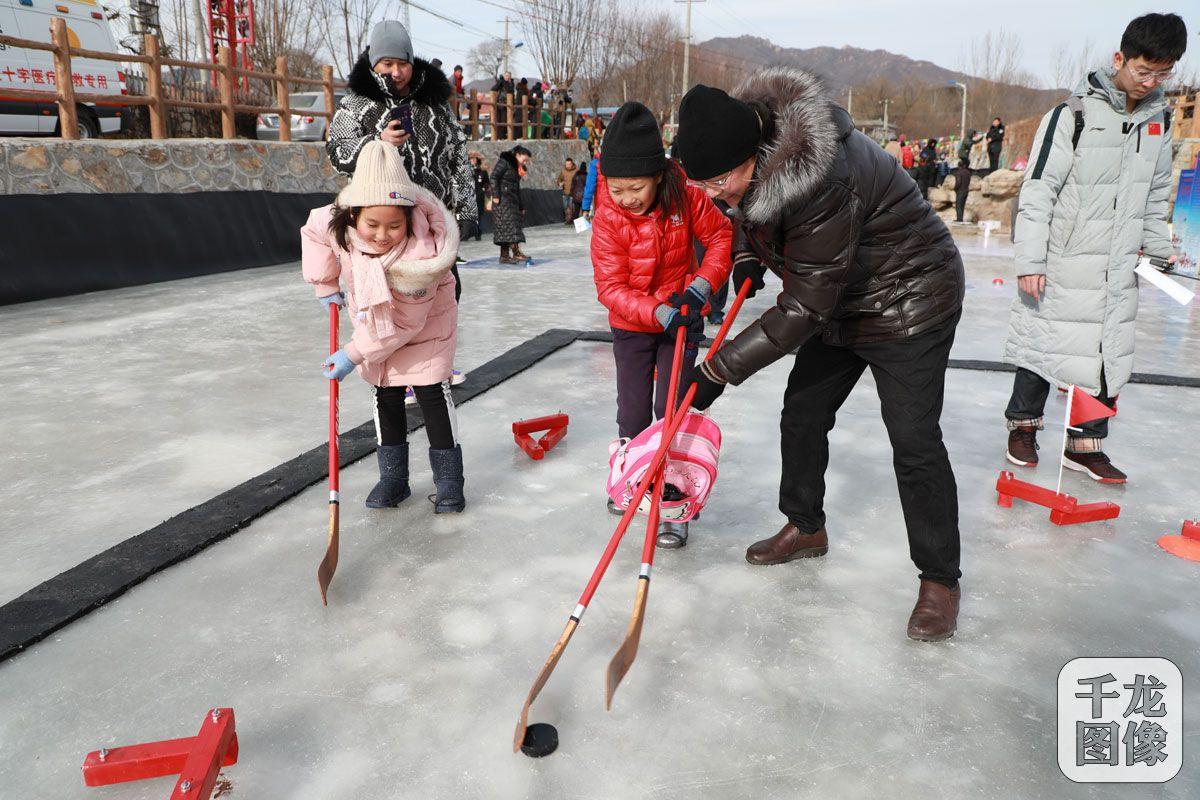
column 306, row 127
column 87, row 28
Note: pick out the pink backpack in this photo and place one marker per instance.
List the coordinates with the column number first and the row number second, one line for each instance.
column 691, row 467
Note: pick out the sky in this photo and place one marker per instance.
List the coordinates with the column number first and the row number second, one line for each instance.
column 940, row 32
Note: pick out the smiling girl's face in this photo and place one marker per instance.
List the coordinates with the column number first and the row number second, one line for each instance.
column 383, row 226
column 635, row 195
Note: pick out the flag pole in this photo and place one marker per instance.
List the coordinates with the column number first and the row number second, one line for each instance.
column 1066, row 427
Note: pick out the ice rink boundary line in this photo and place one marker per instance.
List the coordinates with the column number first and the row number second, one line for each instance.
column 71, row 595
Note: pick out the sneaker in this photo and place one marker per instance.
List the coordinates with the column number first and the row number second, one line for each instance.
column 1023, row 446
column 672, row 535
column 716, row 318
column 459, row 261
column 1095, row 464
column 410, row 399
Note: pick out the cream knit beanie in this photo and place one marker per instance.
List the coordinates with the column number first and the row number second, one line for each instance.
column 379, row 179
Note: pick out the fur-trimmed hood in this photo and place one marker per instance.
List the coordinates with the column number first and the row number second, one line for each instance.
column 429, row 84
column 801, row 136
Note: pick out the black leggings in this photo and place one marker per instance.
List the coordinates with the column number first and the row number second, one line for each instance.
column 437, row 407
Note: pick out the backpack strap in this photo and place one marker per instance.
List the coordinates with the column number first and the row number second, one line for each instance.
column 1075, row 104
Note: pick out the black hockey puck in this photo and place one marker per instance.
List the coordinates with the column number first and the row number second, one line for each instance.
column 541, row 739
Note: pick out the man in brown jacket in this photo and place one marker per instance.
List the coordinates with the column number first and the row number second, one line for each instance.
column 564, row 183
column 871, row 278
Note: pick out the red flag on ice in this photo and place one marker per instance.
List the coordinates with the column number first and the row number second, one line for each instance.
column 1085, row 408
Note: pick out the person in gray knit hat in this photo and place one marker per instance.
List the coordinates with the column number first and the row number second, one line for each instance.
column 389, row 86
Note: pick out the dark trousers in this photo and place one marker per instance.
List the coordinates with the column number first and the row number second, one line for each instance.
column 719, row 298
column 638, row 393
column 1028, row 401
column 993, row 158
column 960, row 205
column 437, row 407
column 910, row 376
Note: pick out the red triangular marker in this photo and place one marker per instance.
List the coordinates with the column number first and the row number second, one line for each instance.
column 1085, row 408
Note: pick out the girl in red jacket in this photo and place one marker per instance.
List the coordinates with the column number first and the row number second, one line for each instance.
column 645, row 269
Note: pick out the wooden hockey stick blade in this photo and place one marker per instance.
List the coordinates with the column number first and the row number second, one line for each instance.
column 627, row 652
column 542, row 677
column 329, row 563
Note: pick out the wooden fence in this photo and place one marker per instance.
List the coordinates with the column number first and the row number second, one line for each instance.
column 520, row 119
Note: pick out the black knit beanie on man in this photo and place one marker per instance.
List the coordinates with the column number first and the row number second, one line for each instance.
column 716, row 133
column 633, row 145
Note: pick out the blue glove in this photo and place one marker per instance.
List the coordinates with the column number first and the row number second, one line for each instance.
column 338, row 365
column 335, row 299
column 692, row 297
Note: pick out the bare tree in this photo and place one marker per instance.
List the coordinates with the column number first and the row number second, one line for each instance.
column 1069, row 66
column 485, row 58
column 345, row 25
column 284, row 28
column 559, row 34
column 607, row 56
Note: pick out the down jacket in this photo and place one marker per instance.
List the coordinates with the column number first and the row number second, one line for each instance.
column 423, row 309
column 1084, row 214
column 640, row 260
column 862, row 256
column 508, row 206
column 435, row 156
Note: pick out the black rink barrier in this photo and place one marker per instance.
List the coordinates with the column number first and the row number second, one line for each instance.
column 73, row 594
column 58, row 245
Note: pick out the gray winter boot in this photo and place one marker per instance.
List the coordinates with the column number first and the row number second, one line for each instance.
column 392, row 488
column 447, row 468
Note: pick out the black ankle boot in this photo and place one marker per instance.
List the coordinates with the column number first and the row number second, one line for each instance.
column 392, row 488
column 447, row 468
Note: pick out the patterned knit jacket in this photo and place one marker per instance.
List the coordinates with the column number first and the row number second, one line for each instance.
column 435, row 156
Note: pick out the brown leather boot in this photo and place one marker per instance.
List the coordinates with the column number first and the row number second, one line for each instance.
column 788, row 545
column 935, row 617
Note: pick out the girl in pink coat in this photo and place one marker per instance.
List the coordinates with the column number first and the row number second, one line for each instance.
column 392, row 244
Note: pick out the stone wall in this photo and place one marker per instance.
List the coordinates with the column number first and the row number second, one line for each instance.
column 169, row 166
column 548, row 158
column 54, row 166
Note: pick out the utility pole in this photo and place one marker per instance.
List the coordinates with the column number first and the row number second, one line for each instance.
column 404, row 16
column 887, row 131
column 850, row 103
column 687, row 41
column 506, row 47
column 962, row 124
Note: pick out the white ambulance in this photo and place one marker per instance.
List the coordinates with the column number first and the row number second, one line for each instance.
column 34, row 69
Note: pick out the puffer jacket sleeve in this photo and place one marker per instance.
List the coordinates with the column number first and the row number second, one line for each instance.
column 346, row 140
column 715, row 232
column 589, row 188
column 818, row 250
column 498, row 178
column 1156, row 237
column 1053, row 154
column 611, row 271
column 463, row 181
column 317, row 260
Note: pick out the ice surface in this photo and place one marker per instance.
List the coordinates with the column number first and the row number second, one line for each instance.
column 789, row 681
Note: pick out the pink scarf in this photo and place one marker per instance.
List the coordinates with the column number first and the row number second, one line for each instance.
column 371, row 291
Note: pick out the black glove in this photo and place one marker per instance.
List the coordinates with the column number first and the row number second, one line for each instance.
column 707, row 390
column 747, row 266
column 680, row 320
column 691, row 297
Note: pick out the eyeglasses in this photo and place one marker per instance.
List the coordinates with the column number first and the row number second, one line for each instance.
column 1142, row 75
column 712, row 183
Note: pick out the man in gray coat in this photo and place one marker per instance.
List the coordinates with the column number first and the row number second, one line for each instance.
column 1095, row 195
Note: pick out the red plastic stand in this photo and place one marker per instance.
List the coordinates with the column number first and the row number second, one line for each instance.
column 196, row 760
column 1064, row 509
column 1187, row 544
column 555, row 426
